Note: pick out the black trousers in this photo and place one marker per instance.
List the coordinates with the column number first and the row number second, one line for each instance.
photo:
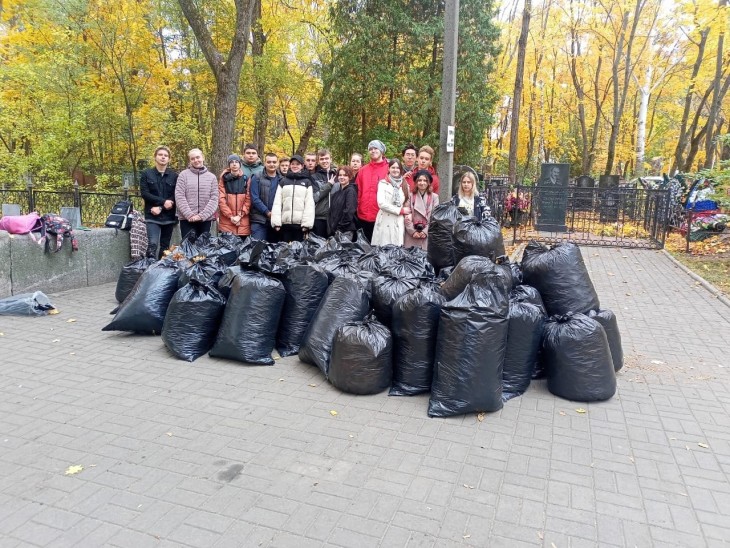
column 367, row 227
column 158, row 238
column 199, row 227
column 291, row 233
column 320, row 228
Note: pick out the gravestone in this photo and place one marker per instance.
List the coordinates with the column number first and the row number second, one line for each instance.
column 551, row 198
column 609, row 198
column 72, row 215
column 11, row 210
column 583, row 193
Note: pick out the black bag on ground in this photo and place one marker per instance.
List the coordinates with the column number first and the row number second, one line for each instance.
column 129, row 275
column 386, row 291
column 528, row 294
column 192, row 320
column 415, row 329
column 26, row 304
column 470, row 350
column 440, row 235
column 468, row 266
column 144, row 309
column 346, row 300
column 561, row 277
column 225, row 248
column 305, row 286
column 608, row 321
column 577, row 359
column 248, row 330
column 362, row 357
column 526, row 322
column 204, row 271
column 473, row 237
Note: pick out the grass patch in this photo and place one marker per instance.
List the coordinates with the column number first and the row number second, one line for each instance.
column 715, row 270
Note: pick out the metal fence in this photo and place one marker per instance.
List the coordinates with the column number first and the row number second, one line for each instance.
column 618, row 217
column 94, row 207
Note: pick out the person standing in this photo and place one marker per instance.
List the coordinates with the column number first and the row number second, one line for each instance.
column 393, row 200
column 409, row 157
column 343, row 206
column 234, row 199
column 468, row 198
column 424, row 161
column 292, row 214
column 251, row 162
column 367, row 187
column 324, row 178
column 196, row 196
column 157, row 186
column 422, row 201
column 263, row 192
column 283, row 165
column 310, row 162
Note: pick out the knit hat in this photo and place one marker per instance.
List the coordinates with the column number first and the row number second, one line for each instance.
column 377, row 144
column 297, row 158
column 234, row 158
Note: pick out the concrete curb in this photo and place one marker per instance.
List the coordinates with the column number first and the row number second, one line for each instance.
column 704, row 283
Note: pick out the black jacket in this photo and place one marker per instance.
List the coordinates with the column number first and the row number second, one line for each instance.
column 156, row 188
column 343, row 207
column 321, row 190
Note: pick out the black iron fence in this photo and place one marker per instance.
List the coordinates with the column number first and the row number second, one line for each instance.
column 94, row 207
column 619, row 217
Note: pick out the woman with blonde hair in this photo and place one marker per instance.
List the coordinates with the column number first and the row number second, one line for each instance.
column 468, row 198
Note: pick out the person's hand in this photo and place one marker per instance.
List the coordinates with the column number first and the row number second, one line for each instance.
column 169, row 204
column 236, row 219
column 277, row 228
column 406, row 211
column 196, row 219
column 156, row 210
column 305, row 229
column 268, row 214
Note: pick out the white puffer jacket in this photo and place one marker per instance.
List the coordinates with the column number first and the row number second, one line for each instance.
column 293, row 203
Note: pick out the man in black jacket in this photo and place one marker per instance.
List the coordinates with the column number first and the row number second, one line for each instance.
column 157, row 186
column 324, row 177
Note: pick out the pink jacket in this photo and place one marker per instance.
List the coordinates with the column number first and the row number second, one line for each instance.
column 196, row 193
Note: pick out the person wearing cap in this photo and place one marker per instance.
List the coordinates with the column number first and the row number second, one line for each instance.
column 234, row 199
column 263, row 191
column 157, row 187
column 196, row 196
column 424, row 161
column 422, row 201
column 292, row 214
column 367, row 186
column 251, row 164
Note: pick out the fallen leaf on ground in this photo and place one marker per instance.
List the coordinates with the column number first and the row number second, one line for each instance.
column 467, row 536
column 333, row 413
column 169, row 434
column 561, row 413
column 70, row 320
column 481, row 416
column 540, row 535
column 56, row 340
column 72, row 353
column 704, row 445
column 580, row 410
column 53, row 311
column 657, row 362
column 312, row 385
column 281, row 380
column 468, row 486
column 2, row 334
column 71, row 470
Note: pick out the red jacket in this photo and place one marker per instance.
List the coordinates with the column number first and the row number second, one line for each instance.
column 412, row 185
column 367, row 189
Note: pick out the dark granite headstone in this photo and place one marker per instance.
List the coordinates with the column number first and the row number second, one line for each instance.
column 609, row 198
column 583, row 193
column 551, row 197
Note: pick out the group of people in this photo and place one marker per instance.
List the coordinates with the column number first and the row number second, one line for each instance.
column 283, row 199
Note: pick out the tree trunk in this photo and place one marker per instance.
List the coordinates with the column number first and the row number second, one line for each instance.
column 261, row 116
column 710, row 144
column 312, row 123
column 517, row 92
column 227, row 73
column 644, row 94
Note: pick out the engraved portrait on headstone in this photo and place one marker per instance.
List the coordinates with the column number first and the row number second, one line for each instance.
column 551, row 197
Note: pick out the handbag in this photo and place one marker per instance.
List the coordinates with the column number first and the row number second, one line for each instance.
column 21, row 224
column 120, row 216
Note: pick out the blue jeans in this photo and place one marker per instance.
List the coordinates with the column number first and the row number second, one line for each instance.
column 260, row 231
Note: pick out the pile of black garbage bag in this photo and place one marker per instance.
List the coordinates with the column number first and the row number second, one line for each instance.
column 461, row 322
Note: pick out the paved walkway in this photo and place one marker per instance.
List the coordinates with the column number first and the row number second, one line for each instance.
column 220, row 454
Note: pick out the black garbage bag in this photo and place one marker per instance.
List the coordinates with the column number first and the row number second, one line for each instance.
column 444, row 274
column 226, row 281
column 188, row 246
column 608, row 321
column 340, row 262
column 362, row 357
column 408, row 267
column 312, row 244
column 415, row 329
column 205, row 240
column 346, row 300
column 129, row 275
column 473, row 237
column 374, row 261
column 578, row 359
column 203, row 270
column 26, row 304
column 526, row 322
column 470, row 350
column 305, row 286
column 440, row 235
column 528, row 294
column 361, row 241
column 248, row 330
column 192, row 320
column 247, row 249
column 144, row 309
column 463, row 272
column 386, row 291
column 561, row 277
column 226, row 248
column 364, row 278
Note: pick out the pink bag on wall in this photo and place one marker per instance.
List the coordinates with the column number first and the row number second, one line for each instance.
column 21, row 224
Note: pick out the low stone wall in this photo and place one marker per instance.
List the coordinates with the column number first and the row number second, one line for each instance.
column 26, row 267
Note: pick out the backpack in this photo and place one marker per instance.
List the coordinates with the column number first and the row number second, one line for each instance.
column 57, row 226
column 120, row 216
